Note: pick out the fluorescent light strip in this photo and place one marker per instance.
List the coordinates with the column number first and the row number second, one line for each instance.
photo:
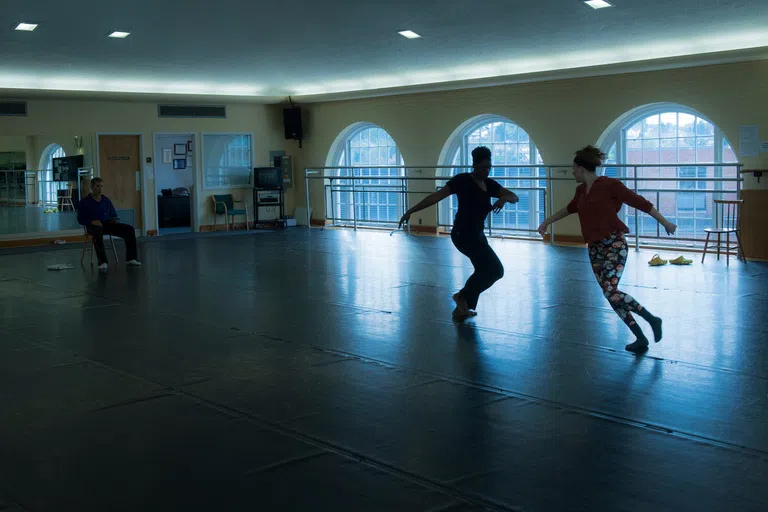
column 597, row 4
column 26, row 27
column 119, row 35
column 410, row 34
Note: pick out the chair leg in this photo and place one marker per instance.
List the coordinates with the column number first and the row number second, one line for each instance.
column 706, row 244
column 739, row 250
column 718, row 246
column 728, row 249
column 114, row 249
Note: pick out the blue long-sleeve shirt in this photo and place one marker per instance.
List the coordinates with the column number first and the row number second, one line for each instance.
column 91, row 209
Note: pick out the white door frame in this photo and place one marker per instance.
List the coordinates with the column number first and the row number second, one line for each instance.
column 142, row 159
column 195, row 227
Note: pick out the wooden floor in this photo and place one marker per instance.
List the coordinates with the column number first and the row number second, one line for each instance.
column 321, row 370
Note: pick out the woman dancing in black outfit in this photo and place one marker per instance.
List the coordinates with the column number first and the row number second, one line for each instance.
column 474, row 190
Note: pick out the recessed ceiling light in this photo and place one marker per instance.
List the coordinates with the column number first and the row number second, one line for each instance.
column 27, row 27
column 410, row 34
column 119, row 35
column 597, row 4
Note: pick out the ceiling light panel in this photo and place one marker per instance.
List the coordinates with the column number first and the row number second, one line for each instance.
column 117, row 34
column 598, row 4
column 26, row 27
column 409, row 34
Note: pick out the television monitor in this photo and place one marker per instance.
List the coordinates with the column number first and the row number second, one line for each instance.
column 268, row 177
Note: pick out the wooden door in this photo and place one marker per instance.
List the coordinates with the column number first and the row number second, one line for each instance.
column 120, row 166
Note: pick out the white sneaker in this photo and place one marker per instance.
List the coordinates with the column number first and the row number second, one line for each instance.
column 134, row 263
column 103, row 267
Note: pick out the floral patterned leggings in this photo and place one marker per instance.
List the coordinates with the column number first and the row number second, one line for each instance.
column 608, row 257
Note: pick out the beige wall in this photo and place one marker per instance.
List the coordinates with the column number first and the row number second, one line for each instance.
column 12, row 144
column 59, row 121
column 560, row 116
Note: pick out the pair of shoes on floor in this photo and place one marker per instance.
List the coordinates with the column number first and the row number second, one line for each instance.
column 656, row 261
column 131, row 263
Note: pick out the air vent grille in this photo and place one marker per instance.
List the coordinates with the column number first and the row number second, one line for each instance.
column 217, row 111
column 13, row 108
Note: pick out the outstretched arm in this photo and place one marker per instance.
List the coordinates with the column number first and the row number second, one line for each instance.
column 640, row 203
column 670, row 227
column 563, row 213
column 434, row 197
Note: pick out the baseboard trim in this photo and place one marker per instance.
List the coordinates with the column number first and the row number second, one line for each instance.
column 426, row 230
column 565, row 239
column 321, row 223
column 209, row 228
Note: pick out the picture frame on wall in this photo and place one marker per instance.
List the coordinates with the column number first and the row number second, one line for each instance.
column 180, row 149
column 179, row 163
column 167, row 156
column 189, row 146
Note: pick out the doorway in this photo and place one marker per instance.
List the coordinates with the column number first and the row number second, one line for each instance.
column 174, row 182
column 120, row 167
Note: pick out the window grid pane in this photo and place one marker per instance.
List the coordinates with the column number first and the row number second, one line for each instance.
column 375, row 200
column 227, row 160
column 673, row 137
column 509, row 145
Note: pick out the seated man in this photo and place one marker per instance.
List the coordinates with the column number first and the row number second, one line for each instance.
column 98, row 215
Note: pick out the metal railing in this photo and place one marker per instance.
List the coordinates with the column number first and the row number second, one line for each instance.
column 360, row 189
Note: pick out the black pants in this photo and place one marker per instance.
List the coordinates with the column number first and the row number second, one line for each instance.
column 119, row 230
column 488, row 268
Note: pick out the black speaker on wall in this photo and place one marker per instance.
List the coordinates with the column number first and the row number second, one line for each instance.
column 292, row 122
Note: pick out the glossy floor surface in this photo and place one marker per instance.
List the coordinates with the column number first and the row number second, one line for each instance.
column 321, row 370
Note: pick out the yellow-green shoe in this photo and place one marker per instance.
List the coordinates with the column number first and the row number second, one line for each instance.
column 680, row 261
column 656, row 261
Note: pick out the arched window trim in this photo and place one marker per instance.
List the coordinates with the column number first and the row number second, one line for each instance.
column 50, row 152
column 344, row 150
column 48, row 190
column 459, row 141
column 616, row 133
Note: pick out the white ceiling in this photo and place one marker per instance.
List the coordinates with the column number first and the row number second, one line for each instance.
column 266, row 50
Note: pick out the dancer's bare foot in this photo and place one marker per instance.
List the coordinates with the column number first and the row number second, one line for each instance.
column 461, row 304
column 461, row 316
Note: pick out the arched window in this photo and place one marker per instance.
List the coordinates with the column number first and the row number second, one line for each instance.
column 49, row 189
column 377, row 201
column 672, row 134
column 510, row 145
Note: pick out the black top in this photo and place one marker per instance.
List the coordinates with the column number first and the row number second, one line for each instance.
column 474, row 203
